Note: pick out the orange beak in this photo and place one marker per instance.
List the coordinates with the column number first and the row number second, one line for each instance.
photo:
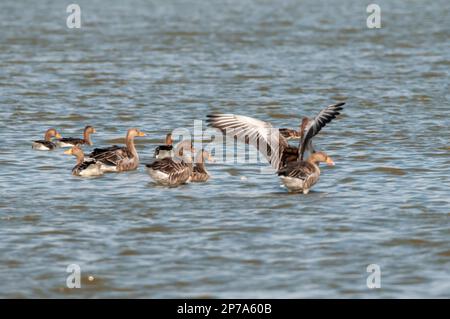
column 330, row 162
column 141, row 134
column 68, row 152
column 58, row 135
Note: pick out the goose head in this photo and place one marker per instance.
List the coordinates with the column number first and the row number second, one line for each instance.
column 321, row 157
column 134, row 132
column 51, row 133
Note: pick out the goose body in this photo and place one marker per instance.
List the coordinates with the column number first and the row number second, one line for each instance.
column 46, row 144
column 71, row 141
column 119, row 158
column 170, row 172
column 88, row 168
column 115, row 159
column 43, row 145
column 300, row 176
column 199, row 172
column 84, row 167
column 173, row 171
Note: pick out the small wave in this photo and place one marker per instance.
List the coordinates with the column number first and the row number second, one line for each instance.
column 149, row 229
column 409, row 242
column 389, row 170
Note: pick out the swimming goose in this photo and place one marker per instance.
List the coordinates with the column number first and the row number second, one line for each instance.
column 166, row 150
column 199, row 172
column 46, row 144
column 84, row 167
column 71, row 141
column 119, row 158
column 173, row 171
column 300, row 176
column 268, row 140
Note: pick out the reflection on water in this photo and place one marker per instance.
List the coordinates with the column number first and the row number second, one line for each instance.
column 158, row 66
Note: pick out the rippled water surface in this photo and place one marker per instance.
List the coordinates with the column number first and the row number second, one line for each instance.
column 157, row 66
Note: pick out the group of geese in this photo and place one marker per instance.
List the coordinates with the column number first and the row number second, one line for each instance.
column 173, row 165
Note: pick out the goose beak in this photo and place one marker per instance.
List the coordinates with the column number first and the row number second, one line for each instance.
column 68, row 152
column 330, row 162
column 58, row 135
column 211, row 159
column 141, row 134
column 94, row 131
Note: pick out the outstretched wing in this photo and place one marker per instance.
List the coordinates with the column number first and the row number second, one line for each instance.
column 314, row 126
column 258, row 133
column 48, row 144
column 110, row 155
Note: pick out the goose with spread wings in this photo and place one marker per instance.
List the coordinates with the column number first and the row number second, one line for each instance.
column 268, row 140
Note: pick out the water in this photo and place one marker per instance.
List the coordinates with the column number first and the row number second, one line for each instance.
column 157, row 66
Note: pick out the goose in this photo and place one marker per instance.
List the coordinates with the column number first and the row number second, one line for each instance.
column 166, row 150
column 199, row 172
column 46, row 144
column 71, row 141
column 119, row 158
column 301, row 175
column 268, row 140
column 84, row 167
column 173, row 171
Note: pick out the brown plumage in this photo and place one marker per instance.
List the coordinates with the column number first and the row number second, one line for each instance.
column 173, row 171
column 84, row 167
column 71, row 141
column 119, row 158
column 46, row 144
column 300, row 176
column 199, row 172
